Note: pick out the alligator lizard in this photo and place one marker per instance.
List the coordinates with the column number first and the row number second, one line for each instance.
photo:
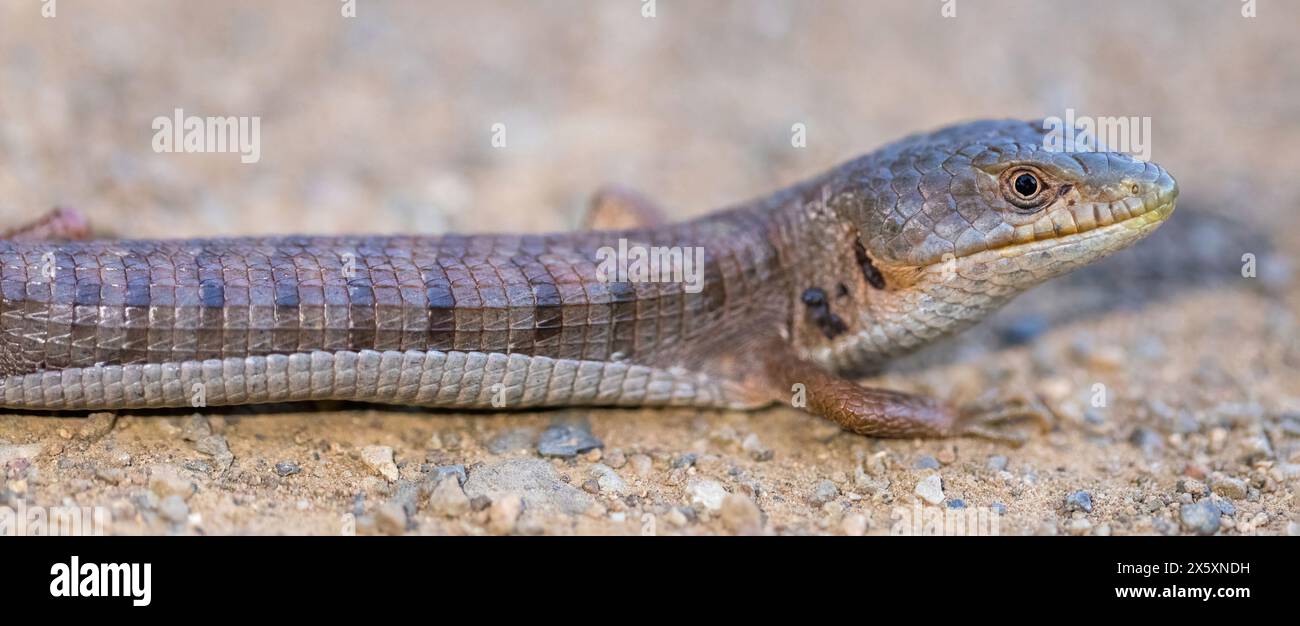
column 868, row 261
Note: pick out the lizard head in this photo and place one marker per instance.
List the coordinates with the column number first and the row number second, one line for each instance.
column 952, row 224
column 993, row 194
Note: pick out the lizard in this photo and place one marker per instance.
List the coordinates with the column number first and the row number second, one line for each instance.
column 800, row 291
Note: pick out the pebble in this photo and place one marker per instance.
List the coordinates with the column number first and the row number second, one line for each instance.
column 997, row 463
column 173, row 509
column 1218, row 439
column 1023, row 329
column 616, row 459
column 1192, row 486
column 110, row 475
column 756, row 449
column 511, row 441
column 390, row 518
column 448, row 499
column 608, row 480
column 930, row 489
column 287, row 468
column 956, row 503
column 1201, row 518
column 504, row 513
column 707, row 492
column 1079, row 526
column 642, row 465
column 542, row 488
column 1079, row 501
column 567, row 440
column 380, row 459
column 165, row 480
column 947, row 456
column 97, row 425
column 1228, row 487
column 443, row 471
column 741, row 516
column 999, row 508
column 1147, row 440
column 218, row 448
column 824, row 492
column 926, row 462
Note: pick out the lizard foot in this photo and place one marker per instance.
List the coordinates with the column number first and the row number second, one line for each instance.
column 1004, row 420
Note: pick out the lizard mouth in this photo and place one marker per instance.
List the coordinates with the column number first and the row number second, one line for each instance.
column 1039, row 258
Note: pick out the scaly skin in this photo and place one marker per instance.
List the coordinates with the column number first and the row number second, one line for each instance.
column 873, row 259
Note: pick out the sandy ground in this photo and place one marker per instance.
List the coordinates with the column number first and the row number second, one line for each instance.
column 382, row 123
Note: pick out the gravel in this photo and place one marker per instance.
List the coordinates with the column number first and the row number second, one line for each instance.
column 930, row 489
column 380, row 459
column 567, row 440
column 1201, row 518
column 1079, row 501
column 706, row 492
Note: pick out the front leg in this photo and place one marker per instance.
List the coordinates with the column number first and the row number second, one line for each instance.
column 885, row 413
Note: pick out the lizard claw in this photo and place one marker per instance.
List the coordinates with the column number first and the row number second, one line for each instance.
column 1003, row 420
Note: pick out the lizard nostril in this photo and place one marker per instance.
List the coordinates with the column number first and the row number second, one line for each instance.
column 1135, row 189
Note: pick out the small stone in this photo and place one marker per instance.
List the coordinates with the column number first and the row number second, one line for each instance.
column 287, row 468
column 195, row 428
column 756, row 449
column 218, row 448
column 709, row 493
column 642, row 465
column 1218, row 439
column 567, row 440
column 675, row 517
column 1192, row 470
column 997, row 463
column 930, row 489
column 110, row 475
column 608, row 479
column 956, row 503
column 97, row 425
column 448, row 499
column 1079, row 501
column 824, row 492
column 512, row 441
column 165, row 480
column 1192, row 486
column 1079, row 526
column 1228, row 487
column 947, row 456
column 390, row 518
column 173, row 509
column 999, row 508
column 741, row 516
column 479, row 503
column 1023, row 329
column 926, row 462
column 1106, row 358
column 380, row 459
column 591, row 486
column 854, row 525
column 1201, row 518
column 542, row 488
column 616, row 459
column 1147, row 440
column 504, row 513
column 443, row 471
column 1226, row 507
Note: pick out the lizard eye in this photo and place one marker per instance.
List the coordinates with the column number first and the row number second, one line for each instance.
column 1024, row 188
